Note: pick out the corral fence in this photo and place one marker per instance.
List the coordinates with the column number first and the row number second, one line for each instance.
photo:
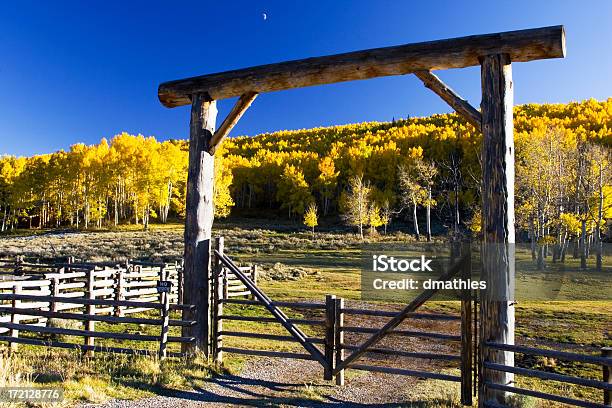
column 604, row 361
column 37, row 299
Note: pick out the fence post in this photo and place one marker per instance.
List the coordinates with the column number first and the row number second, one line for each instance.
column 219, row 288
column 330, row 335
column 254, row 276
column 90, row 310
column 339, row 339
column 466, row 330
column 15, row 316
column 163, row 275
column 165, row 320
column 225, row 283
column 466, row 349
column 19, row 265
column 55, row 281
column 179, row 278
column 607, row 376
column 119, row 287
column 54, row 289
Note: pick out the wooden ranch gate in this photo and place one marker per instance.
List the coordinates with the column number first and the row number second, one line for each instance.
column 494, row 53
column 331, row 350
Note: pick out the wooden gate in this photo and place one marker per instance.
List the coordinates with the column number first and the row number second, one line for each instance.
column 332, row 354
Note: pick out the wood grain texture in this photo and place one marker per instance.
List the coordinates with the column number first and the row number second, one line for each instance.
column 231, row 120
column 522, row 45
column 497, row 305
column 198, row 224
column 460, row 105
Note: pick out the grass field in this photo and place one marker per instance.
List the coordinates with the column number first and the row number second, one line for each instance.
column 296, row 266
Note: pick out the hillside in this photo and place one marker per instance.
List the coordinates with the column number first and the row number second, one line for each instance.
column 135, row 179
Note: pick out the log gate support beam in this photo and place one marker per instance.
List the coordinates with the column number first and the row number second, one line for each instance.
column 231, row 120
column 460, row 105
column 497, row 301
column 198, row 225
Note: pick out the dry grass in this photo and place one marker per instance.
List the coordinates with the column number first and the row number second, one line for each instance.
column 99, row 378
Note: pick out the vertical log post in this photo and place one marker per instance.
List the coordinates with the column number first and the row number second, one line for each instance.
column 339, row 339
column 330, row 335
column 180, row 276
column 163, row 275
column 225, row 283
column 165, row 320
column 607, row 376
column 198, row 224
column 497, row 307
column 466, row 337
column 119, row 287
column 19, row 265
column 15, row 316
column 55, row 292
column 217, row 304
column 90, row 310
column 254, row 275
column 70, row 260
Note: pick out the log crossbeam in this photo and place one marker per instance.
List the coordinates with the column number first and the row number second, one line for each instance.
column 460, row 105
column 521, row 46
column 231, row 120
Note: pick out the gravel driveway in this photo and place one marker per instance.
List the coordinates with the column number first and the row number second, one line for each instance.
column 283, row 383
column 280, row 382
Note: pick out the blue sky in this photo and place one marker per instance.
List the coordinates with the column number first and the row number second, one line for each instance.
column 77, row 71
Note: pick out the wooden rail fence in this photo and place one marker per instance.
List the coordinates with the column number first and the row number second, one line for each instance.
column 22, row 314
column 604, row 361
column 34, row 296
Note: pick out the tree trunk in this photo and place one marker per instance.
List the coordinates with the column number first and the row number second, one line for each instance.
column 565, row 245
column 415, row 220
column 457, row 217
column 198, row 224
column 583, row 246
column 599, row 250
column 86, row 215
column 428, row 214
column 4, row 219
column 497, row 304
column 533, row 238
